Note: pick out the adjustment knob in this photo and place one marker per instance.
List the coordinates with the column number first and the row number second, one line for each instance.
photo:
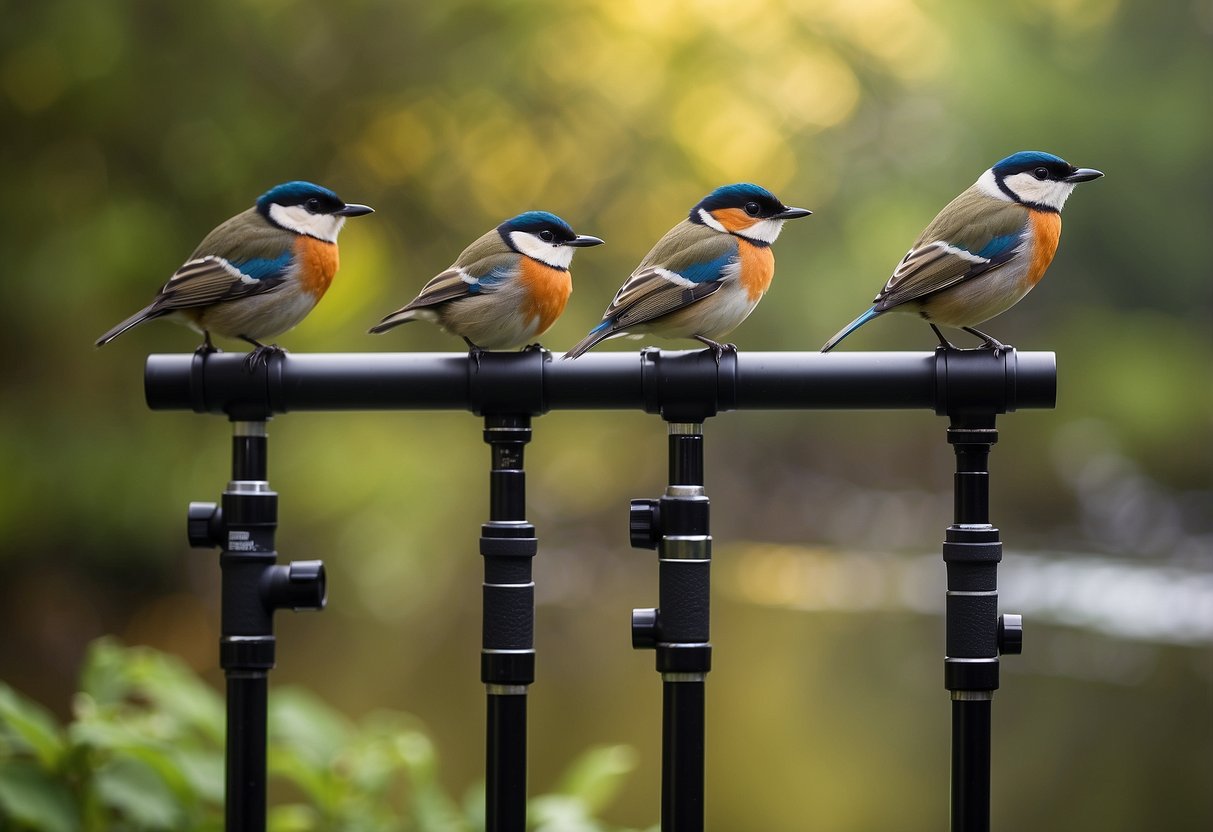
column 203, row 518
column 644, row 629
column 643, row 524
column 1010, row 634
column 299, row 585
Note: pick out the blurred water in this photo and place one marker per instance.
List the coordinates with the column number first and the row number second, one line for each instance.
column 1142, row 601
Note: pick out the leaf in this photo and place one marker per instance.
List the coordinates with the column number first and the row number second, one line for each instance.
column 114, row 675
column 32, row 798
column 303, row 722
column 133, row 789
column 597, row 775
column 203, row 771
column 294, row 817
column 31, row 725
column 104, row 677
column 561, row 813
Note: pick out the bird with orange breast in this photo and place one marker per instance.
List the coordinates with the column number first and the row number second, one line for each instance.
column 505, row 289
column 259, row 273
column 705, row 276
column 984, row 251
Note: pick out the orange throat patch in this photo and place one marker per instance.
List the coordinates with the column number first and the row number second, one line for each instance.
column 1046, row 232
column 317, row 262
column 757, row 268
column 547, row 292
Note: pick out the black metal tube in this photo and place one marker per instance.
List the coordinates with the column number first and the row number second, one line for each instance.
column 682, row 386
column 507, row 662
column 971, row 552
column 246, row 646
column 245, row 809
column 683, row 648
column 505, row 764
column 682, row 756
column 971, row 765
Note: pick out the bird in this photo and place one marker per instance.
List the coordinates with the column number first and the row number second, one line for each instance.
column 259, row 273
column 705, row 276
column 505, row 289
column 984, row 251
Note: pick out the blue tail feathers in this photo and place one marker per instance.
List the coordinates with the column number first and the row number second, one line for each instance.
column 849, row 328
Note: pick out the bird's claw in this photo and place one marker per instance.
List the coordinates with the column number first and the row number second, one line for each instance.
column 717, row 348
column 988, row 342
column 261, row 355
column 474, row 352
column 206, row 347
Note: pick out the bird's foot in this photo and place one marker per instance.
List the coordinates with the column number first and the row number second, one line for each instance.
column 943, row 342
column 988, row 342
column 474, row 352
column 206, row 347
column 536, row 347
column 261, row 355
column 717, row 348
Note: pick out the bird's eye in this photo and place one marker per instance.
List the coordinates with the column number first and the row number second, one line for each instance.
column 752, row 208
column 312, row 205
column 546, row 235
column 1041, row 173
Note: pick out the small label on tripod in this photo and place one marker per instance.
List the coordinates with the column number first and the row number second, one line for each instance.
column 240, row 541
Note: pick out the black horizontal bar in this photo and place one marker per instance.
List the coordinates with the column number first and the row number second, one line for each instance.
column 681, row 386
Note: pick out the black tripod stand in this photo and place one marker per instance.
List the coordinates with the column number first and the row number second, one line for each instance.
column 254, row 586
column 507, row 659
column 975, row 633
column 677, row 527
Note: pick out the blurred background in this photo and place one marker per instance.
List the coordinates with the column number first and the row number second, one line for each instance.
column 131, row 128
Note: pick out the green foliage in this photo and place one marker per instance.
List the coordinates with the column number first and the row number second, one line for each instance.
column 145, row 752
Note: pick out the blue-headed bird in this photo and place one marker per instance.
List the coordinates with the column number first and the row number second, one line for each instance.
column 505, row 289
column 705, row 276
column 259, row 273
column 984, row 251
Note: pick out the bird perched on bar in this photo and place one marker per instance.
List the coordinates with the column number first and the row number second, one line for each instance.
column 984, row 251
column 705, row 276
column 505, row 289
column 259, row 273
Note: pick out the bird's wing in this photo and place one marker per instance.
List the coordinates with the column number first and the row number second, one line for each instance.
column 971, row 236
column 687, row 265
column 242, row 256
column 214, row 279
column 483, row 274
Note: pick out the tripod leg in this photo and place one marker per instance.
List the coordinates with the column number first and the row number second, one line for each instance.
column 677, row 526
column 507, row 664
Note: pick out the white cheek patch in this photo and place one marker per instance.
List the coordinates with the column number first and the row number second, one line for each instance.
column 764, row 231
column 298, row 219
column 1040, row 192
column 988, row 185
column 558, row 257
column 711, row 222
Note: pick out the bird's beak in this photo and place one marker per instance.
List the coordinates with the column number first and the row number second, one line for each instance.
column 1084, row 175
column 791, row 213
column 354, row 210
column 584, row 241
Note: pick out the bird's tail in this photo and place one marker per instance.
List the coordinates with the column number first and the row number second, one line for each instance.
column 400, row 316
column 597, row 334
column 144, row 314
column 849, row 328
